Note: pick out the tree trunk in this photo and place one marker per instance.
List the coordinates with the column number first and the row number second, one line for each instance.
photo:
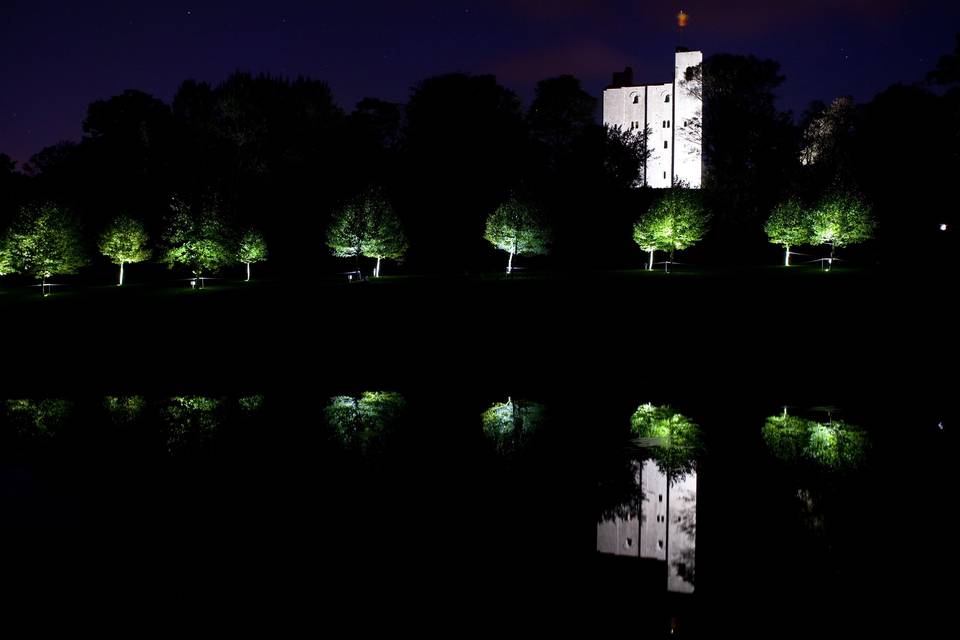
column 376, row 272
column 510, row 263
column 650, row 266
column 786, row 257
column 248, row 272
column 120, row 284
column 43, row 285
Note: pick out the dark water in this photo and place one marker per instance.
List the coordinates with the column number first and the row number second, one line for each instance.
column 451, row 488
column 275, row 509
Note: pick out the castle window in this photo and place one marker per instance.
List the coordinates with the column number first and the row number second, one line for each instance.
column 667, row 99
column 636, row 99
column 664, row 144
column 668, row 124
column 664, row 177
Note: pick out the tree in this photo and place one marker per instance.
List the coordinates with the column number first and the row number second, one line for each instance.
column 123, row 241
column 43, row 240
column 197, row 241
column 365, row 422
column 560, row 110
column 675, row 440
column 516, row 227
column 749, row 145
column 647, row 232
column 252, row 248
column 366, row 226
column 788, row 226
column 827, row 149
column 676, row 221
column 511, row 424
column 385, row 238
column 840, row 219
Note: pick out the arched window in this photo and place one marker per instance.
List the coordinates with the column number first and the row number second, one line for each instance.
column 636, row 98
column 667, row 99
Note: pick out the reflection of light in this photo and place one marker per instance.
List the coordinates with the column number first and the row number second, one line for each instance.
column 943, row 227
column 940, row 426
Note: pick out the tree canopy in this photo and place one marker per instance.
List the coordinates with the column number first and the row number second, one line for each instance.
column 676, row 221
column 789, row 225
column 44, row 240
column 125, row 241
column 510, row 425
column 199, row 241
column 363, row 421
column 517, row 228
column 841, row 219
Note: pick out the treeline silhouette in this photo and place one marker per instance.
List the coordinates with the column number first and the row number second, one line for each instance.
column 281, row 155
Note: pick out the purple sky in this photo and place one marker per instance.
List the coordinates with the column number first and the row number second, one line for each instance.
column 58, row 56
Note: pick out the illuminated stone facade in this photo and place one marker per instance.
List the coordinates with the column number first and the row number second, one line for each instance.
column 672, row 111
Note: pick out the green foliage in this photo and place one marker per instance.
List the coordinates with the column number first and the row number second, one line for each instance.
column 37, row 417
column 124, row 409
column 200, row 242
column 676, row 221
column 366, row 225
column 516, row 227
column 835, row 445
column 674, row 439
column 190, row 419
column 252, row 247
column 841, row 219
column 125, row 241
column 6, row 259
column 789, row 224
column 362, row 422
column 385, row 236
column 511, row 424
column 251, row 404
column 43, row 240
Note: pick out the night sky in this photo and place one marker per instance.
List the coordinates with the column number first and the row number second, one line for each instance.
column 58, row 56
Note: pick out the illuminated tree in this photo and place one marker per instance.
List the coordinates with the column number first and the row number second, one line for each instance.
column 509, row 425
column 43, row 240
column 197, row 241
column 385, row 239
column 125, row 240
column 361, row 422
column 367, row 226
column 516, row 227
column 647, row 232
column 840, row 219
column 676, row 221
column 190, row 418
column 37, row 417
column 674, row 439
column 834, row 445
column 124, row 409
column 788, row 226
column 252, row 248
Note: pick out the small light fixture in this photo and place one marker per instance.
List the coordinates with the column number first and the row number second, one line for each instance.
column 943, row 226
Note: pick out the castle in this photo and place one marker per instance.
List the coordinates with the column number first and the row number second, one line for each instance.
column 673, row 111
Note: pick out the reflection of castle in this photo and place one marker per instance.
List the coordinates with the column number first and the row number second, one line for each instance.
column 665, row 530
column 673, row 112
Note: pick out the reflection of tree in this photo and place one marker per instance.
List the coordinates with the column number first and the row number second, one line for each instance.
column 674, row 439
column 190, row 419
column 619, row 492
column 361, row 422
column 124, row 409
column 250, row 404
column 834, row 445
column 37, row 417
column 511, row 424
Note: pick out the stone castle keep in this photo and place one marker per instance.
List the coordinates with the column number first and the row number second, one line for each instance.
column 672, row 111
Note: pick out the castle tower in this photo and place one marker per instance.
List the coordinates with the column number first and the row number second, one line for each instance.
column 673, row 113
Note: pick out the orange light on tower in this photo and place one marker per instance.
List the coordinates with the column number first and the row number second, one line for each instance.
column 682, row 19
